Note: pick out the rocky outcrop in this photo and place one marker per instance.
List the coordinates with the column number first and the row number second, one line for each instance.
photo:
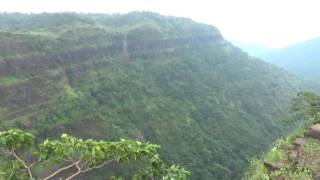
column 273, row 166
column 305, row 151
column 298, row 142
column 313, row 131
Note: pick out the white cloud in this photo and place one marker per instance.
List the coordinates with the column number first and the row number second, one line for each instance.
column 268, row 22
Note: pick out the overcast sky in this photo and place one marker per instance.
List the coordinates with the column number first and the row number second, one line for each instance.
column 275, row 23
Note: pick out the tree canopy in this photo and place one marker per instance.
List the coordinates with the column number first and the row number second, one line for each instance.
column 76, row 156
column 307, row 104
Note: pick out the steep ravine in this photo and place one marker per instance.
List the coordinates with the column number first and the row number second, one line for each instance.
column 166, row 80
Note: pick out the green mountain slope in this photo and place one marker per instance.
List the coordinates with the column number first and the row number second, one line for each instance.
column 302, row 59
column 166, row 80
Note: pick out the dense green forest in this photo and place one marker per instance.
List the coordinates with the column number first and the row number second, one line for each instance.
column 159, row 79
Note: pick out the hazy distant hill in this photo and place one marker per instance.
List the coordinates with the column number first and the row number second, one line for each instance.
column 166, row 80
column 302, row 59
column 252, row 49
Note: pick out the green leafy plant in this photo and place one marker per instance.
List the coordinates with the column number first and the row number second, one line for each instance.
column 21, row 155
column 307, row 104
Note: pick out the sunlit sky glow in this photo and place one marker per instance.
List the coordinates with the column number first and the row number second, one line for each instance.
column 274, row 23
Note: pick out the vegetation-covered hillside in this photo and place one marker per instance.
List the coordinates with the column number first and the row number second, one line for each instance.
column 302, row 59
column 297, row 156
column 167, row 80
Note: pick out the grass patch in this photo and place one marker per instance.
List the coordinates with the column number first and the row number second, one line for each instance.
column 10, row 80
column 287, row 173
column 257, row 171
column 311, row 147
column 277, row 153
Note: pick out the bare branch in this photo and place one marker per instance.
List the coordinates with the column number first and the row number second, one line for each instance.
column 12, row 171
column 75, row 174
column 32, row 164
column 99, row 166
column 83, row 165
column 27, row 167
column 60, row 170
column 80, row 170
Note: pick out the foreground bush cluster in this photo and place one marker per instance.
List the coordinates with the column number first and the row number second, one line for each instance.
column 70, row 157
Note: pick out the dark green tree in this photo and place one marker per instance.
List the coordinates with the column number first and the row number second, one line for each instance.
column 307, row 104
